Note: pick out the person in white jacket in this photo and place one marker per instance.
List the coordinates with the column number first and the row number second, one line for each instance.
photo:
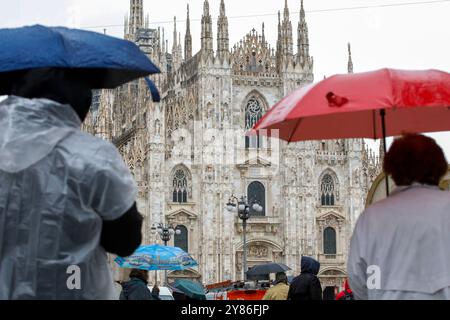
column 400, row 245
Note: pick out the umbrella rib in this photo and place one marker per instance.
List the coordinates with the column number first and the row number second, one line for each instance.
column 374, row 125
column 295, row 129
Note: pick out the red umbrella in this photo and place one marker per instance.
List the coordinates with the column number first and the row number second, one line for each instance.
column 372, row 104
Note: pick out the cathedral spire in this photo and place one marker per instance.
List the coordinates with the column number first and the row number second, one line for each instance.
column 286, row 11
column 350, row 62
column 287, row 33
column 163, row 42
column 285, row 41
column 136, row 16
column 302, row 11
column 279, row 45
column 175, row 35
column 279, row 25
column 206, row 8
column 188, row 38
column 207, row 36
column 263, row 33
column 125, row 29
column 222, row 8
column 223, row 40
column 159, row 39
column 303, row 39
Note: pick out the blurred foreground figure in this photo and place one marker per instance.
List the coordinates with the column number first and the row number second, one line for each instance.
column 66, row 197
column 400, row 245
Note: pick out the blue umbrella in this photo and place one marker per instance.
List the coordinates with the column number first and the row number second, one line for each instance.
column 192, row 289
column 104, row 61
column 153, row 90
column 157, row 257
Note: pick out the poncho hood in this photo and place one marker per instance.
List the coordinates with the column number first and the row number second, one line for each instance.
column 30, row 129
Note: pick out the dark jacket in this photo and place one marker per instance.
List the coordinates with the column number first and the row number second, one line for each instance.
column 129, row 226
column 306, row 286
column 135, row 289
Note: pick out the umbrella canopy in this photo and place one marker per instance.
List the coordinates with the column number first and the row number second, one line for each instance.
column 176, row 293
column 349, row 106
column 103, row 61
column 374, row 104
column 190, row 288
column 258, row 277
column 157, row 257
column 267, row 268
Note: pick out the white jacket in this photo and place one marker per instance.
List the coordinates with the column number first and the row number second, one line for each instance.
column 406, row 238
column 57, row 185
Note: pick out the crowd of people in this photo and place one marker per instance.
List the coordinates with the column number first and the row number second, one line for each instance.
column 305, row 286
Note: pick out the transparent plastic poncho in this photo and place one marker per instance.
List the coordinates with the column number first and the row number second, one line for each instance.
column 57, row 186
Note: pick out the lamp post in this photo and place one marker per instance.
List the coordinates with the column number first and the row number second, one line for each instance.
column 242, row 207
column 165, row 232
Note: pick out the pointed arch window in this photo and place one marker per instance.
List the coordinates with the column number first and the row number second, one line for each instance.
column 327, row 191
column 180, row 186
column 181, row 240
column 329, row 241
column 257, row 192
column 253, row 113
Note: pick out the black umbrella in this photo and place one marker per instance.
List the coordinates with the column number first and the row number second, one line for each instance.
column 267, row 268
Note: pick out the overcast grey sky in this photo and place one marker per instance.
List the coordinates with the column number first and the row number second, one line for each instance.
column 405, row 36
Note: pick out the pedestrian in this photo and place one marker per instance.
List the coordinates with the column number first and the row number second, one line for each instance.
column 66, row 197
column 280, row 289
column 346, row 294
column 137, row 287
column 399, row 247
column 306, row 286
column 155, row 292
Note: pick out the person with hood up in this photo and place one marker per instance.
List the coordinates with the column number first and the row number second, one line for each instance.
column 137, row 287
column 66, row 197
column 346, row 294
column 306, row 286
column 280, row 289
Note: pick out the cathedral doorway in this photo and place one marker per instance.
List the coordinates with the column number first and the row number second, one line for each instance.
column 258, row 252
column 332, row 279
column 329, row 293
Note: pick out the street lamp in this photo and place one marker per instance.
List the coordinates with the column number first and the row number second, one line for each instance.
column 165, row 232
column 242, row 207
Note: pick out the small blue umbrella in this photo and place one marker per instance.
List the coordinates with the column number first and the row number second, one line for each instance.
column 104, row 61
column 157, row 257
column 192, row 289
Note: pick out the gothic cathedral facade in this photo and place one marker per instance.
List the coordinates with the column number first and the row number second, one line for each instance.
column 189, row 153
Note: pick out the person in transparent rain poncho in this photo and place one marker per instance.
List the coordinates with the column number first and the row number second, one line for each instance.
column 66, row 197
